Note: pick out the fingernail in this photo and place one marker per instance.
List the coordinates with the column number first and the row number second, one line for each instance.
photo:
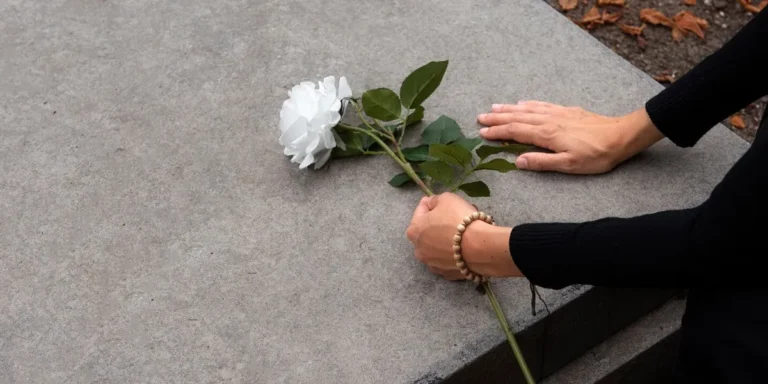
column 495, row 107
column 483, row 131
column 521, row 102
column 482, row 116
column 521, row 163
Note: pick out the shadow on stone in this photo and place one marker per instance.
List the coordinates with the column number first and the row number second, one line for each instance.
column 566, row 334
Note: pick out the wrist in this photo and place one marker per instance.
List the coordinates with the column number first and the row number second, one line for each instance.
column 485, row 249
column 637, row 133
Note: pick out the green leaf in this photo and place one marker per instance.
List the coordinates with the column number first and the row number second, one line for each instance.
column 402, row 179
column 443, row 131
column 355, row 143
column 437, row 170
column 488, row 150
column 451, row 154
column 500, row 165
column 422, row 82
column 475, row 189
column 468, row 143
column 415, row 116
column 417, row 154
column 382, row 104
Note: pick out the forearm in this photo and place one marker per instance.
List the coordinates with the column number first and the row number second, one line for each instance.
column 719, row 243
column 720, row 85
column 645, row 251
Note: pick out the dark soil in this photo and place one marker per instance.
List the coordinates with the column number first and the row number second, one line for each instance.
column 659, row 54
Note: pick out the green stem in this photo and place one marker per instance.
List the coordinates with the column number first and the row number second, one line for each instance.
column 403, row 164
column 405, row 124
column 510, row 336
column 406, row 166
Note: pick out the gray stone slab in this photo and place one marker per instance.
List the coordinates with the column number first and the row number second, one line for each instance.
column 152, row 231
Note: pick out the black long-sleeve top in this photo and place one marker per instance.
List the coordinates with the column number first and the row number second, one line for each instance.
column 714, row 249
column 716, row 243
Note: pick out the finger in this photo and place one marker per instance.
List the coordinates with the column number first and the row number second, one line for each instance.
column 521, row 133
column 518, row 108
column 490, row 119
column 541, row 103
column 558, row 162
column 450, row 274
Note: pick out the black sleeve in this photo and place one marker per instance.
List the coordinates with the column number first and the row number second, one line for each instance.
column 722, row 84
column 719, row 242
column 715, row 244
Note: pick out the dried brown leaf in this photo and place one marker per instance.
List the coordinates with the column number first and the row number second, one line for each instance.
column 677, row 33
column 567, row 5
column 653, row 16
column 689, row 2
column 592, row 18
column 612, row 17
column 747, row 4
column 610, row 2
column 664, row 77
column 631, row 29
column 688, row 22
column 737, row 121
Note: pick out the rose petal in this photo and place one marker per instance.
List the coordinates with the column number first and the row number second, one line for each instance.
column 326, row 103
column 338, row 141
column 330, row 85
column 313, row 143
column 334, row 118
column 294, row 131
column 336, row 107
column 306, row 100
column 307, row 161
column 328, row 140
column 322, row 158
column 344, row 89
column 288, row 115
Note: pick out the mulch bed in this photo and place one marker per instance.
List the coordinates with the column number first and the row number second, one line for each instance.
column 652, row 48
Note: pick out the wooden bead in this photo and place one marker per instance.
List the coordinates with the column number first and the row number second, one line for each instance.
column 467, row 220
column 460, row 264
column 469, row 275
column 475, row 215
column 464, row 271
column 461, row 228
column 456, row 248
column 482, row 216
column 457, row 256
column 476, row 279
column 457, row 239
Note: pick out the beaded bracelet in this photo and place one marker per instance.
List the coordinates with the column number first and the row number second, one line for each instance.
column 457, row 245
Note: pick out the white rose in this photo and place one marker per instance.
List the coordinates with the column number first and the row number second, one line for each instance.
column 308, row 117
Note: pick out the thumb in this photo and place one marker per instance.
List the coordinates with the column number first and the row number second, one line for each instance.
column 560, row 162
column 421, row 209
column 418, row 215
column 432, row 202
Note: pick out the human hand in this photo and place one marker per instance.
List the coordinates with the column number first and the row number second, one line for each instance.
column 583, row 142
column 485, row 248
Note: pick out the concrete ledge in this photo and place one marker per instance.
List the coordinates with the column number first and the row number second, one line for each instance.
column 566, row 334
column 644, row 352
